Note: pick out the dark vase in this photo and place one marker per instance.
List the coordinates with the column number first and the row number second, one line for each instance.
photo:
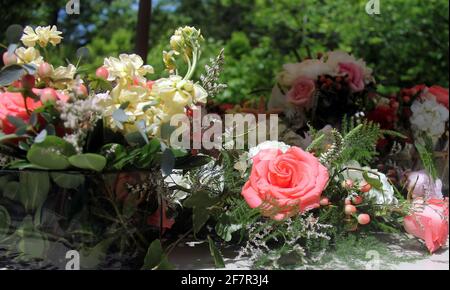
column 71, row 220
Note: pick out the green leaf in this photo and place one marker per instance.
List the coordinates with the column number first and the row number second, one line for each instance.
column 34, row 188
column 32, row 243
column 167, row 130
column 14, row 33
column 66, row 180
column 427, row 160
column 17, row 122
column 374, row 182
column 4, row 137
column 200, row 216
column 88, row 161
column 167, row 162
column 52, row 153
column 10, row 74
column 5, row 221
column 90, row 258
column 155, row 259
column 11, row 190
column 215, row 253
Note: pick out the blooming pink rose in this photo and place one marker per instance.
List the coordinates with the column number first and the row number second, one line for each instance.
column 440, row 93
column 301, row 93
column 355, row 75
column 13, row 104
column 429, row 222
column 283, row 184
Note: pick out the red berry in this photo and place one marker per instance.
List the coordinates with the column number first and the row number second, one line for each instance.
column 365, row 187
column 350, row 209
column 363, row 219
column 324, row 201
column 357, row 199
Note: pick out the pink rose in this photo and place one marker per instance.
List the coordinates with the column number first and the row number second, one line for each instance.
column 440, row 93
column 301, row 93
column 284, row 184
column 355, row 75
column 13, row 104
column 429, row 222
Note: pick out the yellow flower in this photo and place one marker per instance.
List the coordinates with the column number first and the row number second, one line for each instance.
column 29, row 55
column 176, row 94
column 41, row 35
column 64, row 72
column 126, row 68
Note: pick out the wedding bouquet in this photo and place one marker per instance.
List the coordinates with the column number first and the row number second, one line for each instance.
column 85, row 158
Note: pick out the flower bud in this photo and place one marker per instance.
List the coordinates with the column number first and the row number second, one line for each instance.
column 28, row 81
column 347, row 184
column 45, row 70
column 48, row 95
column 9, row 58
column 81, row 90
column 102, row 72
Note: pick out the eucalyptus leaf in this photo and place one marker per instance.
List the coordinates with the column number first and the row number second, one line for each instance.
column 67, row 180
column 14, row 33
column 41, row 136
column 167, row 162
column 120, row 116
column 10, row 74
column 88, row 161
column 52, row 153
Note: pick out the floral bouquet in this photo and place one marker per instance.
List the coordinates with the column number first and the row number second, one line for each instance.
column 320, row 91
column 85, row 158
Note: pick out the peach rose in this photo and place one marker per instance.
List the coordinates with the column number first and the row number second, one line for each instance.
column 301, row 93
column 429, row 222
column 284, row 184
column 355, row 75
column 441, row 95
column 13, row 104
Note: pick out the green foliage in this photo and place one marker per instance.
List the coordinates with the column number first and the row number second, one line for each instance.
column 52, row 153
column 88, row 161
column 155, row 258
column 426, row 156
column 215, row 253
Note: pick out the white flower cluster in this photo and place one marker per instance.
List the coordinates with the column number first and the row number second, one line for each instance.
column 80, row 116
column 383, row 196
column 428, row 118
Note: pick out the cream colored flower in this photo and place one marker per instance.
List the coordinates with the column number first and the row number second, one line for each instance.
column 64, row 72
column 29, row 55
column 126, row 68
column 41, row 35
column 176, row 94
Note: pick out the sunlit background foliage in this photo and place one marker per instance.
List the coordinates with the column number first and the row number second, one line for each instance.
column 406, row 44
